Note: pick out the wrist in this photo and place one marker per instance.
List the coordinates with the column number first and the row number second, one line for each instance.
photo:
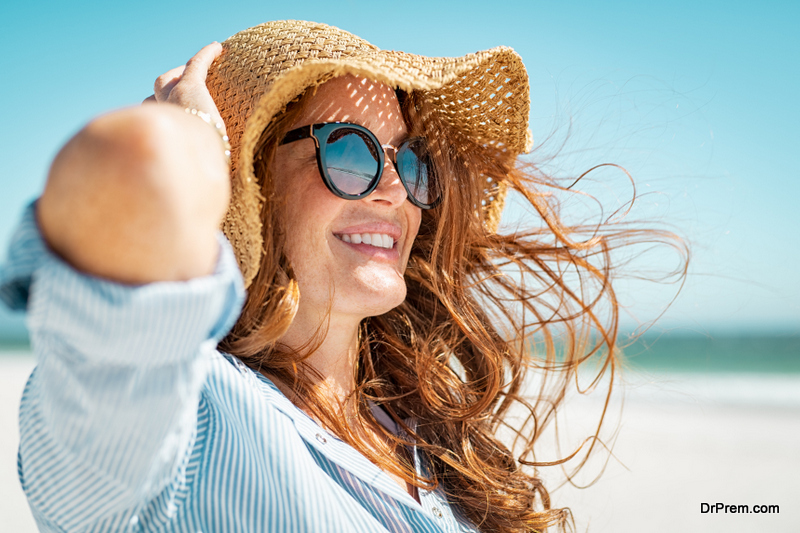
column 219, row 127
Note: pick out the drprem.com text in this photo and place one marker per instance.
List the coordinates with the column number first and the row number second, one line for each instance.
column 721, row 508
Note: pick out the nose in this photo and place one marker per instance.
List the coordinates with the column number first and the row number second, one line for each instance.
column 390, row 189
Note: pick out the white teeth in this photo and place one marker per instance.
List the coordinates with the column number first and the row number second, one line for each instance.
column 379, row 240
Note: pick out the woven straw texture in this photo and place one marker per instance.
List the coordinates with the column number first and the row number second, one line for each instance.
column 484, row 96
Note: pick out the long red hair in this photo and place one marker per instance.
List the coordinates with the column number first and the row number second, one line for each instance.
column 484, row 312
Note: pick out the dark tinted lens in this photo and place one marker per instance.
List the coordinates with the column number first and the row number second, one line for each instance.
column 414, row 165
column 351, row 160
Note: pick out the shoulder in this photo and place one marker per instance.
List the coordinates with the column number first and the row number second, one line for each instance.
column 243, row 396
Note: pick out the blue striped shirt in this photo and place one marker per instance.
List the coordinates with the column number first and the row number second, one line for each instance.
column 133, row 421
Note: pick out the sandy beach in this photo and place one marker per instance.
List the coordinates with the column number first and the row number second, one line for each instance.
column 15, row 516
column 689, row 440
column 682, row 441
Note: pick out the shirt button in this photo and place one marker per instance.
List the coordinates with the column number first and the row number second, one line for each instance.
column 436, row 512
column 321, row 438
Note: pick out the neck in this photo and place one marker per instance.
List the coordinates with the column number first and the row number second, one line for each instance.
column 335, row 357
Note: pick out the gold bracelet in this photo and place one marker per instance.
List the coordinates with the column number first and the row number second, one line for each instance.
column 218, row 127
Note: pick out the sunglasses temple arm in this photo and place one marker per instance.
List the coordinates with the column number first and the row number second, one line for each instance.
column 303, row 132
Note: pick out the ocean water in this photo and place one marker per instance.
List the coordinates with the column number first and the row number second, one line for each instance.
column 681, row 353
column 755, row 370
column 716, row 354
column 12, row 329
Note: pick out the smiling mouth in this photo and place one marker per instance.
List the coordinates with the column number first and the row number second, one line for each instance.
column 378, row 240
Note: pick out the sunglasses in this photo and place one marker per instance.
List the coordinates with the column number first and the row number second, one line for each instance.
column 351, row 160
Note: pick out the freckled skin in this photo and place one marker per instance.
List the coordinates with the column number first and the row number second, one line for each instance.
column 331, row 274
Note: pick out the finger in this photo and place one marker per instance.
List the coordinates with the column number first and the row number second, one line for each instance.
column 164, row 83
column 197, row 66
column 150, row 100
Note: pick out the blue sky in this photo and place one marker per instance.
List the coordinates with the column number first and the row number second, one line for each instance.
column 696, row 99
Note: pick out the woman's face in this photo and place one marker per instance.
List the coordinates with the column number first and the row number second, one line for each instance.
column 359, row 280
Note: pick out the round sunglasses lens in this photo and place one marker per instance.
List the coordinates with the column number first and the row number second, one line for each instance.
column 351, row 160
column 413, row 163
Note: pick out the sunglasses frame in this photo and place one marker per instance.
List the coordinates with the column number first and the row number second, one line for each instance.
column 321, row 131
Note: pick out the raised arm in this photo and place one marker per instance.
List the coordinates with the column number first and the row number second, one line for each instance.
column 129, row 285
column 138, row 194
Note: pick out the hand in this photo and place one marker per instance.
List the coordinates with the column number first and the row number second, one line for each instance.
column 185, row 86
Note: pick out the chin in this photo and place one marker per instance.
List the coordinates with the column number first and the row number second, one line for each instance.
column 379, row 298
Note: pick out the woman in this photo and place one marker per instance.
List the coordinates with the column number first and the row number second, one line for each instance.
column 384, row 339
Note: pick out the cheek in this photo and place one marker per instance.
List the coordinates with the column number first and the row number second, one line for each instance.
column 308, row 211
column 413, row 218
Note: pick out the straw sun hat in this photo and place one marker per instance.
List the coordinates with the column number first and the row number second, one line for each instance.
column 484, row 96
